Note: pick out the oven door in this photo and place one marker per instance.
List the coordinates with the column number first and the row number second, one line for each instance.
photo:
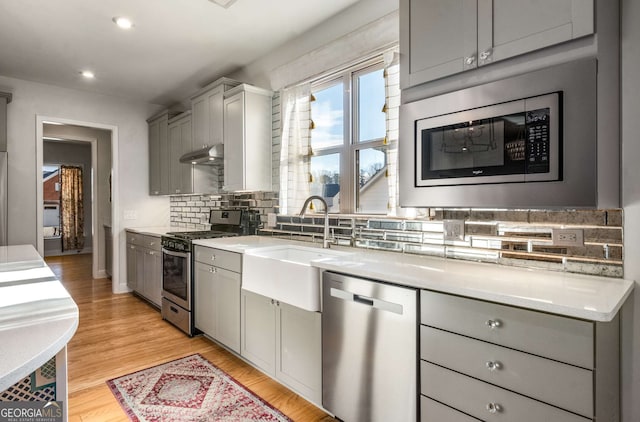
column 176, row 277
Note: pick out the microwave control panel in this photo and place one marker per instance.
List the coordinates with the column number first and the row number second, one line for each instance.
column 538, row 144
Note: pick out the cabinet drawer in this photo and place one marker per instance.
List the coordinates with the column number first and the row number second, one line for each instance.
column 562, row 385
column 219, row 258
column 150, row 242
column 555, row 337
column 132, row 237
column 144, row 240
column 485, row 401
column 432, row 411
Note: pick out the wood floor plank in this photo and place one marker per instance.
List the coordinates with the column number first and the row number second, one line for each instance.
column 120, row 334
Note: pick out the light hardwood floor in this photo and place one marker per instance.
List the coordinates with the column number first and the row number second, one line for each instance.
column 120, row 334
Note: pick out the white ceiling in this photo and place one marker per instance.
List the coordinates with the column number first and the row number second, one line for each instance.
column 176, row 46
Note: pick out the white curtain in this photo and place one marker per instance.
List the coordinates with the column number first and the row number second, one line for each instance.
column 295, row 148
column 392, row 98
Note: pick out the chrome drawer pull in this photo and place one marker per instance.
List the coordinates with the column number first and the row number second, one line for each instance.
column 493, row 323
column 493, row 366
column 494, row 408
column 213, row 257
column 212, row 269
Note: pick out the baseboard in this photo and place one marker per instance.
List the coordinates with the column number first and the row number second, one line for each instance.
column 101, row 274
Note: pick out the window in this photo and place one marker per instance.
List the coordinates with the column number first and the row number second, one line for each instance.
column 348, row 160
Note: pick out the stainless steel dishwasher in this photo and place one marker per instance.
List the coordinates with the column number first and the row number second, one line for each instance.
column 369, row 349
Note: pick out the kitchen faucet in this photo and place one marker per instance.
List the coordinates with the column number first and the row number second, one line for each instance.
column 326, row 240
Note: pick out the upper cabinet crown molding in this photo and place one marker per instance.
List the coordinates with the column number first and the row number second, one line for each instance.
column 218, row 82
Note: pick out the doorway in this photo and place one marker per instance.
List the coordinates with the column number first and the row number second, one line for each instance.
column 67, row 176
column 88, row 147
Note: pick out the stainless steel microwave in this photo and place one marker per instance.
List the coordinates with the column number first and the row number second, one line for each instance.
column 510, row 142
column 526, row 141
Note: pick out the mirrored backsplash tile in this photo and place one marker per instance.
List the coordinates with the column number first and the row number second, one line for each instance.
column 505, row 237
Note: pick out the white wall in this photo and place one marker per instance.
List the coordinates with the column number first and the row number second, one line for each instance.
column 131, row 164
column 630, row 38
column 360, row 14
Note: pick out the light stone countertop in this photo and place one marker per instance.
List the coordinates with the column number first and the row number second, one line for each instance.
column 38, row 317
column 156, row 231
column 580, row 296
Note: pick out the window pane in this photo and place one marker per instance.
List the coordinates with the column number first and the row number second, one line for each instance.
column 327, row 115
column 373, row 186
column 371, row 99
column 325, row 173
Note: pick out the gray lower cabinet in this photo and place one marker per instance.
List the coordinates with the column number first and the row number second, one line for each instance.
column 496, row 363
column 144, row 266
column 132, row 276
column 285, row 342
column 217, row 295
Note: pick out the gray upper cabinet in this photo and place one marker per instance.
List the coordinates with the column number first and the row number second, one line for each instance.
column 159, row 153
column 207, row 113
column 439, row 38
column 181, row 179
column 247, row 139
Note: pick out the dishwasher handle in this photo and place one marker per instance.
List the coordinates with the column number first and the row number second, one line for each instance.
column 383, row 305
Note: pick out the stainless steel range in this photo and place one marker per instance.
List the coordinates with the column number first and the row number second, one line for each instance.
column 177, row 262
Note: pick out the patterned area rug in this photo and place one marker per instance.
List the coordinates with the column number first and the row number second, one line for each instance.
column 189, row 389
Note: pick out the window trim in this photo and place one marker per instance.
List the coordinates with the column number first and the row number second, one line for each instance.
column 349, row 180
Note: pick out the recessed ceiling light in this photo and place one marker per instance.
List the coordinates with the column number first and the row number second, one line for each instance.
column 223, row 3
column 87, row 74
column 122, row 22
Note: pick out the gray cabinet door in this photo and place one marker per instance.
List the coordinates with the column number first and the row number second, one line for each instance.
column 159, row 153
column 153, row 276
column 140, row 253
column 180, row 143
column 437, row 38
column 215, row 100
column 226, row 302
column 175, row 167
column 199, row 122
column 258, row 343
column 507, row 28
column 155, row 187
column 234, row 142
column 299, row 350
column 165, row 155
column 204, row 312
column 131, row 267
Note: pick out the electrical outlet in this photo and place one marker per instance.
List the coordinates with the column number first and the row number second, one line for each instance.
column 453, row 230
column 130, row 214
column 567, row 237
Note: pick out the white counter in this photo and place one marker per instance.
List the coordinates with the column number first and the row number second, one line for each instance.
column 575, row 295
column 38, row 317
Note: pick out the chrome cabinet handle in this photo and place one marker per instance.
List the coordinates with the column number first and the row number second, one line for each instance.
column 213, row 257
column 213, row 270
column 493, row 366
column 494, row 407
column 494, row 323
column 486, row 54
column 470, row 60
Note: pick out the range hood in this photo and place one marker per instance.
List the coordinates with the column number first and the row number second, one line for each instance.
column 209, row 155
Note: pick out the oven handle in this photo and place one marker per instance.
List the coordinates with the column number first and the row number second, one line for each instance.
column 176, row 253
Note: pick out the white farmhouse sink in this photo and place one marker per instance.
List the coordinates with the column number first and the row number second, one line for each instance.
column 285, row 273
